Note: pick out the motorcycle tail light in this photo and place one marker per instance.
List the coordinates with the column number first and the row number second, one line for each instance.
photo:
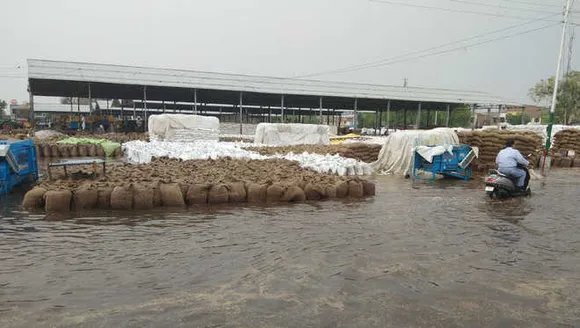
column 490, row 180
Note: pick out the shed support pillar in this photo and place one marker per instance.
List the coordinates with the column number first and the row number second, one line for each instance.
column 146, row 120
column 282, row 119
column 195, row 101
column 320, row 110
column 448, row 115
column 355, row 116
column 388, row 115
column 418, row 124
column 31, row 110
column 90, row 100
column 473, row 117
column 241, row 112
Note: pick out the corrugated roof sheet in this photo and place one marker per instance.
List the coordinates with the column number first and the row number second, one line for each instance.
column 132, row 75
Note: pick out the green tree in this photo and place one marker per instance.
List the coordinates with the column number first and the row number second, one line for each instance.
column 3, row 106
column 568, row 104
column 516, row 119
column 460, row 117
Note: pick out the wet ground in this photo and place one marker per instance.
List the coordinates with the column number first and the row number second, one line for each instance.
column 441, row 255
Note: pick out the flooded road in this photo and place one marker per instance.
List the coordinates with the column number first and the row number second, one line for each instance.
column 440, row 255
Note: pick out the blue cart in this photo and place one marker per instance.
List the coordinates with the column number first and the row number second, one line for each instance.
column 453, row 162
column 18, row 164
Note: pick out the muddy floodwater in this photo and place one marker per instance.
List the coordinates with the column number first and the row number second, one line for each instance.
column 439, row 255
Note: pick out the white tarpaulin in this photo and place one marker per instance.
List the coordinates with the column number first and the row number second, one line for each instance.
column 273, row 134
column 183, row 128
column 429, row 152
column 396, row 156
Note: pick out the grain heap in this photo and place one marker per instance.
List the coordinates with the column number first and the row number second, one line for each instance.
column 174, row 183
column 491, row 142
column 367, row 153
column 564, row 142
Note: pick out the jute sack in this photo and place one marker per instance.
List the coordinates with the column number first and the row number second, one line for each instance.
column 369, row 188
column 34, row 198
column 341, row 189
column 294, row 194
column 237, row 192
column 104, row 197
column 314, row 192
column 197, row 194
column 85, row 198
column 218, row 194
column 274, row 193
column 171, row 195
column 57, row 201
column 122, row 198
column 142, row 197
column 257, row 193
column 355, row 189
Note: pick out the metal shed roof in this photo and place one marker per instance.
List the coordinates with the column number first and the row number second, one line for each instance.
column 60, row 78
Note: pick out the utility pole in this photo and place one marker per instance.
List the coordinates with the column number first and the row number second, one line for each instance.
column 556, row 82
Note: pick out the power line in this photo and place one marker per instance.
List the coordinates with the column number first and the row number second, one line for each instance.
column 463, row 11
column 498, row 6
column 362, row 66
column 464, row 47
column 533, row 3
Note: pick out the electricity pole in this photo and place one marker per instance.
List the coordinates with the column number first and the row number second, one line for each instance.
column 556, row 82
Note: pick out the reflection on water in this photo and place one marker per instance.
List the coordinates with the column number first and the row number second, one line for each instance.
column 438, row 255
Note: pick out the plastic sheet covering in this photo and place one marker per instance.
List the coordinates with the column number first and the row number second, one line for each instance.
column 429, row 152
column 396, row 156
column 292, row 134
column 183, row 128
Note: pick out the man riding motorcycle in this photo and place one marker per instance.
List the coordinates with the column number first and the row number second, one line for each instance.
column 508, row 160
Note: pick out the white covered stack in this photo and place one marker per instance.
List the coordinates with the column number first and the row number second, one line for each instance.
column 183, row 128
column 275, row 134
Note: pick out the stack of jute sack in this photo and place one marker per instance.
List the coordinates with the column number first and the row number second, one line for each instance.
column 52, row 149
column 363, row 152
column 492, row 141
column 566, row 148
column 176, row 183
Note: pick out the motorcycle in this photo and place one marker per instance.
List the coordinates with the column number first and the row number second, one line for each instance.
column 501, row 186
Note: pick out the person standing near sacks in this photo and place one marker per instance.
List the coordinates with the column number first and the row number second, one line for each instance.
column 507, row 161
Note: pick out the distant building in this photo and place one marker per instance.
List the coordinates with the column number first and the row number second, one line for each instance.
column 531, row 113
column 486, row 119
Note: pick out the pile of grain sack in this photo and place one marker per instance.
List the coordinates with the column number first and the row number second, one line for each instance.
column 490, row 142
column 363, row 152
column 175, row 183
column 566, row 148
column 56, row 146
column 57, row 150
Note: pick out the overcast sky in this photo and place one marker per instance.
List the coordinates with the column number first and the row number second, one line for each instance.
column 290, row 38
